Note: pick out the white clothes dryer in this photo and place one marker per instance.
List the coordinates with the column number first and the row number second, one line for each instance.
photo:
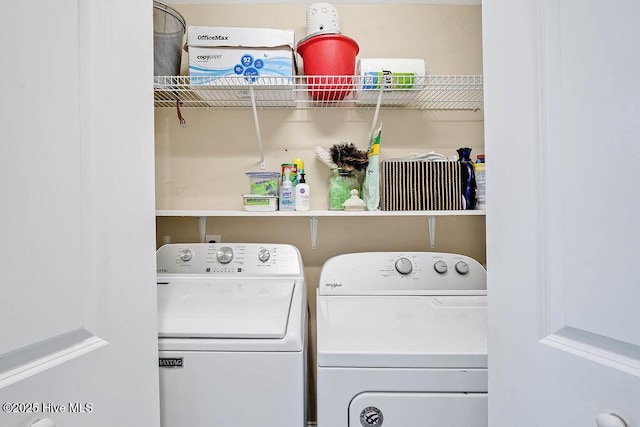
column 232, row 323
column 402, row 341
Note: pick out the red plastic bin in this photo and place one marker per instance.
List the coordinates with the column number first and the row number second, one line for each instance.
column 332, row 57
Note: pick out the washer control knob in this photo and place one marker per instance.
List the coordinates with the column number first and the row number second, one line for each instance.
column 186, row 255
column 440, row 267
column 404, row 266
column 224, row 255
column 264, row 255
column 462, row 267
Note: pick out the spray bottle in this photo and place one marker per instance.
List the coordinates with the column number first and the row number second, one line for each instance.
column 286, row 193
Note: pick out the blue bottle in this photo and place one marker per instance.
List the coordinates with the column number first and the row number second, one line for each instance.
column 468, row 178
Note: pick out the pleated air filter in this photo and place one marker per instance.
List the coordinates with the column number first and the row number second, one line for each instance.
column 419, row 185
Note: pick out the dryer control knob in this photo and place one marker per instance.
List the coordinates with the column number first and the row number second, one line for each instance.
column 404, row 266
column 462, row 267
column 264, row 255
column 440, row 267
column 224, row 255
column 186, row 255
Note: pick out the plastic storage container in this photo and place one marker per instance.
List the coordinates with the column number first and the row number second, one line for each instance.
column 263, row 183
column 259, row 203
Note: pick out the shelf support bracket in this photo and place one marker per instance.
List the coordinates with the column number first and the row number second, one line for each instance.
column 202, row 228
column 257, row 126
column 314, row 230
column 432, row 230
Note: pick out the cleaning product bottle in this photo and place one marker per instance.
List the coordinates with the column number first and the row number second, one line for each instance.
column 286, row 194
column 481, row 182
column 302, row 195
column 299, row 164
column 468, row 178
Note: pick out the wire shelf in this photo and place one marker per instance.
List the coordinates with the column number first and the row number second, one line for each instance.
column 430, row 92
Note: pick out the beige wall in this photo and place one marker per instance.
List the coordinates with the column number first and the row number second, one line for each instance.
column 202, row 166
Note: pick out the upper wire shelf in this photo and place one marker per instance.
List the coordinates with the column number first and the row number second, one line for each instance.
column 430, row 92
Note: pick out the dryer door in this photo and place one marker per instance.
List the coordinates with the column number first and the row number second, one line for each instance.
column 419, row 409
column 402, row 331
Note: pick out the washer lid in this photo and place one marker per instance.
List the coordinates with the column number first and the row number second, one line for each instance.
column 208, row 308
column 402, row 331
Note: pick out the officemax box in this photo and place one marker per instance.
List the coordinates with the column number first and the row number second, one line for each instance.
column 245, row 53
column 235, row 58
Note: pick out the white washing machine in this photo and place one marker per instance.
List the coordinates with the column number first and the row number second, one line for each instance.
column 402, row 341
column 232, row 322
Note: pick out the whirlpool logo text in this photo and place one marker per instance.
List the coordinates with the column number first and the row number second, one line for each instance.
column 333, row 285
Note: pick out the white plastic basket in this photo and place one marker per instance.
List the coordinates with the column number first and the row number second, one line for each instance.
column 322, row 18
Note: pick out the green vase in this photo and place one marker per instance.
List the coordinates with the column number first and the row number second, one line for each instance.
column 341, row 183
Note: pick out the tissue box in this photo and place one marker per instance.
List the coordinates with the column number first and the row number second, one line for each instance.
column 401, row 80
column 417, row 185
column 234, row 57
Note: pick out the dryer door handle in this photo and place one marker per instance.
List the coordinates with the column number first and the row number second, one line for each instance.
column 46, row 422
column 610, row 420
